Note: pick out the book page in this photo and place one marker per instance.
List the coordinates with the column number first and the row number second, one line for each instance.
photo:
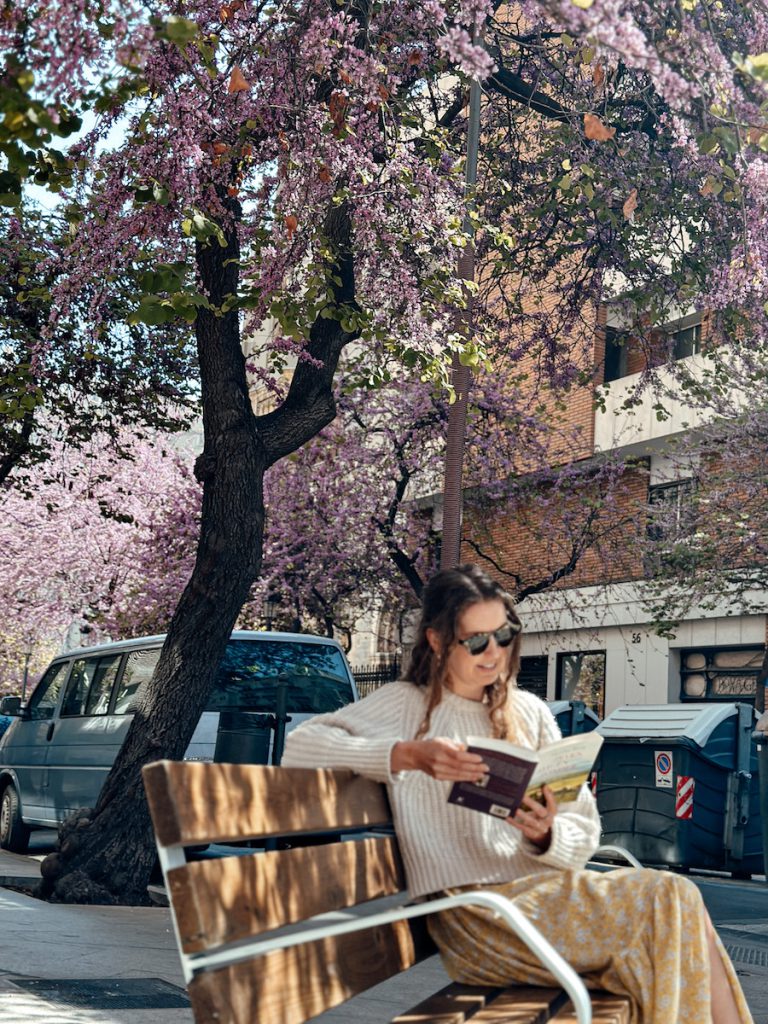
column 565, row 766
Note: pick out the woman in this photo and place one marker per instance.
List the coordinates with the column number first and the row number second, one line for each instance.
column 642, row 933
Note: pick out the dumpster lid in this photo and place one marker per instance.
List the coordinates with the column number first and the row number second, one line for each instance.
column 557, row 707
column 694, row 721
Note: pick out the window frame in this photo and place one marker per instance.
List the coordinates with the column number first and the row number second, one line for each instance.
column 710, row 671
column 559, row 695
column 619, row 347
column 52, row 670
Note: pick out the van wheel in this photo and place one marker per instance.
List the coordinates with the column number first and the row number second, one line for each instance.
column 14, row 834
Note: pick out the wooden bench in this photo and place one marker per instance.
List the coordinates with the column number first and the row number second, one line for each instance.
column 279, row 936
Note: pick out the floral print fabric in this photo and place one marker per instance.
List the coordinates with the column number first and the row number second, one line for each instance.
column 634, row 932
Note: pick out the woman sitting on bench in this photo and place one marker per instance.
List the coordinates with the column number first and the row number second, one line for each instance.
column 636, row 932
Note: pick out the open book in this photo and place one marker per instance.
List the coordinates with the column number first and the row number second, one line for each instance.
column 515, row 772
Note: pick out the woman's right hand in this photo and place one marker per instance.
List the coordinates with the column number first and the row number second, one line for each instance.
column 441, row 758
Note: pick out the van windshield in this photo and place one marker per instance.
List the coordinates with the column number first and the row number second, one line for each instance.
column 315, row 675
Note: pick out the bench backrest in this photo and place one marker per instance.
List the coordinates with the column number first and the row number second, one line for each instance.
column 221, row 905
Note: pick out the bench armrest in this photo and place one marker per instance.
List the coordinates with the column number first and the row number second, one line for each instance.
column 612, row 850
column 500, row 905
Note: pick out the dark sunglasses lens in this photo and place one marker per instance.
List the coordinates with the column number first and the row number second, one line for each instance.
column 505, row 636
column 477, row 644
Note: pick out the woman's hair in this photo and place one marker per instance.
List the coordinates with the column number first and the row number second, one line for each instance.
column 447, row 595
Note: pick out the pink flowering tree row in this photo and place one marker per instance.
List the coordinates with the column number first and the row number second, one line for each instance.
column 70, row 551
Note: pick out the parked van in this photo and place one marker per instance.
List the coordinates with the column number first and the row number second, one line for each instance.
column 56, row 755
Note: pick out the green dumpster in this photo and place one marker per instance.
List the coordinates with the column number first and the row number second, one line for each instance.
column 677, row 785
column 573, row 716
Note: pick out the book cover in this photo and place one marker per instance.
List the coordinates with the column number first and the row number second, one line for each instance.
column 515, row 772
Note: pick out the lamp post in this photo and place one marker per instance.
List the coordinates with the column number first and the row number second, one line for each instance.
column 460, row 374
column 270, row 608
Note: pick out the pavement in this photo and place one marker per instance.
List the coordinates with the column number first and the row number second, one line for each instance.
column 113, row 965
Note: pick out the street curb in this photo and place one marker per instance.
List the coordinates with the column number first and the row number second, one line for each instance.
column 19, row 881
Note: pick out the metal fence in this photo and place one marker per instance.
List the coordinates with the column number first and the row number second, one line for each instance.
column 371, row 677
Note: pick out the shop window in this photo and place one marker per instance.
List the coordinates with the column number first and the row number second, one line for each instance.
column 720, row 673
column 581, row 676
column 533, row 675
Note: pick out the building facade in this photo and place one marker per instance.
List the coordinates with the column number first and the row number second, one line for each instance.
column 591, row 636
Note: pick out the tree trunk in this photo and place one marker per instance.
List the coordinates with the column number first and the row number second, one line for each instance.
column 106, row 854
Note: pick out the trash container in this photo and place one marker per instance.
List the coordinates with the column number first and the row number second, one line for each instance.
column 243, row 737
column 677, row 785
column 573, row 716
column 760, row 739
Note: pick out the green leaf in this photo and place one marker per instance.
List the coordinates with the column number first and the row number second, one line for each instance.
column 152, row 311
column 179, row 30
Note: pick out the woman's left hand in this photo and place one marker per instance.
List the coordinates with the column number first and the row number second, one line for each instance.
column 534, row 820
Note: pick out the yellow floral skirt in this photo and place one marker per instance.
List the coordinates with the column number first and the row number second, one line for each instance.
column 632, row 931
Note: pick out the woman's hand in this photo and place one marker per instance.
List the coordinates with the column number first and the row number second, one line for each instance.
column 534, row 820
column 440, row 758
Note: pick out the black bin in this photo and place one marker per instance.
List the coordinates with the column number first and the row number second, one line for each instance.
column 243, row 737
column 677, row 785
column 573, row 716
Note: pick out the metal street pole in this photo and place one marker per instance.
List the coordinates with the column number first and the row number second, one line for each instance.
column 460, row 374
column 27, row 656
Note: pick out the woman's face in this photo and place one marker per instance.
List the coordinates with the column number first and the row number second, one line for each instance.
column 467, row 674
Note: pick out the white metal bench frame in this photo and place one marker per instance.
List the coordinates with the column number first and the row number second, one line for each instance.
column 340, row 922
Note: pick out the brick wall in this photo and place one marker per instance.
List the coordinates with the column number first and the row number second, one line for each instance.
column 535, row 541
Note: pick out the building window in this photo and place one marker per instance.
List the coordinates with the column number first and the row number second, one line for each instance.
column 581, row 676
column 615, row 354
column 672, row 510
column 685, row 342
column 532, row 676
column 671, row 527
column 720, row 673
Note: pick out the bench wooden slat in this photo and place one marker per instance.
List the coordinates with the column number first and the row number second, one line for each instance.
column 606, row 1009
column 457, row 1004
column 291, row 985
column 197, row 802
column 223, row 900
column 522, row 1005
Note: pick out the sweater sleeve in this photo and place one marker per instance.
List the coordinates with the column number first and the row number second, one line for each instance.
column 359, row 736
column 576, row 827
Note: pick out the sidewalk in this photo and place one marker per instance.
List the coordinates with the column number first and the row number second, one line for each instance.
column 114, row 965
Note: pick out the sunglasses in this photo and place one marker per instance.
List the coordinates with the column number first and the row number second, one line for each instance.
column 503, row 636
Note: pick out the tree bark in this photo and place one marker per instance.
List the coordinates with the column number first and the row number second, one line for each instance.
column 106, row 855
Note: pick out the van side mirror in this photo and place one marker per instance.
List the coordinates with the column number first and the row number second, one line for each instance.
column 10, row 706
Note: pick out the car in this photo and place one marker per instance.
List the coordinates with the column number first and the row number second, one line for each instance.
column 56, row 755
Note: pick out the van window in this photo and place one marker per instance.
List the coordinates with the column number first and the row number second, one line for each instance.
column 315, row 675
column 139, row 667
column 43, row 701
column 77, row 688
column 89, row 686
column 101, row 687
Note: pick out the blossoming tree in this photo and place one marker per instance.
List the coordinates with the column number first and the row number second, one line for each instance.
column 302, row 160
column 69, row 551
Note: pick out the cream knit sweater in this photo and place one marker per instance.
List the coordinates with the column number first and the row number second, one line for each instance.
column 444, row 845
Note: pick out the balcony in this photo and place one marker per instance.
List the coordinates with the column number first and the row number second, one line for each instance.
column 632, row 420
